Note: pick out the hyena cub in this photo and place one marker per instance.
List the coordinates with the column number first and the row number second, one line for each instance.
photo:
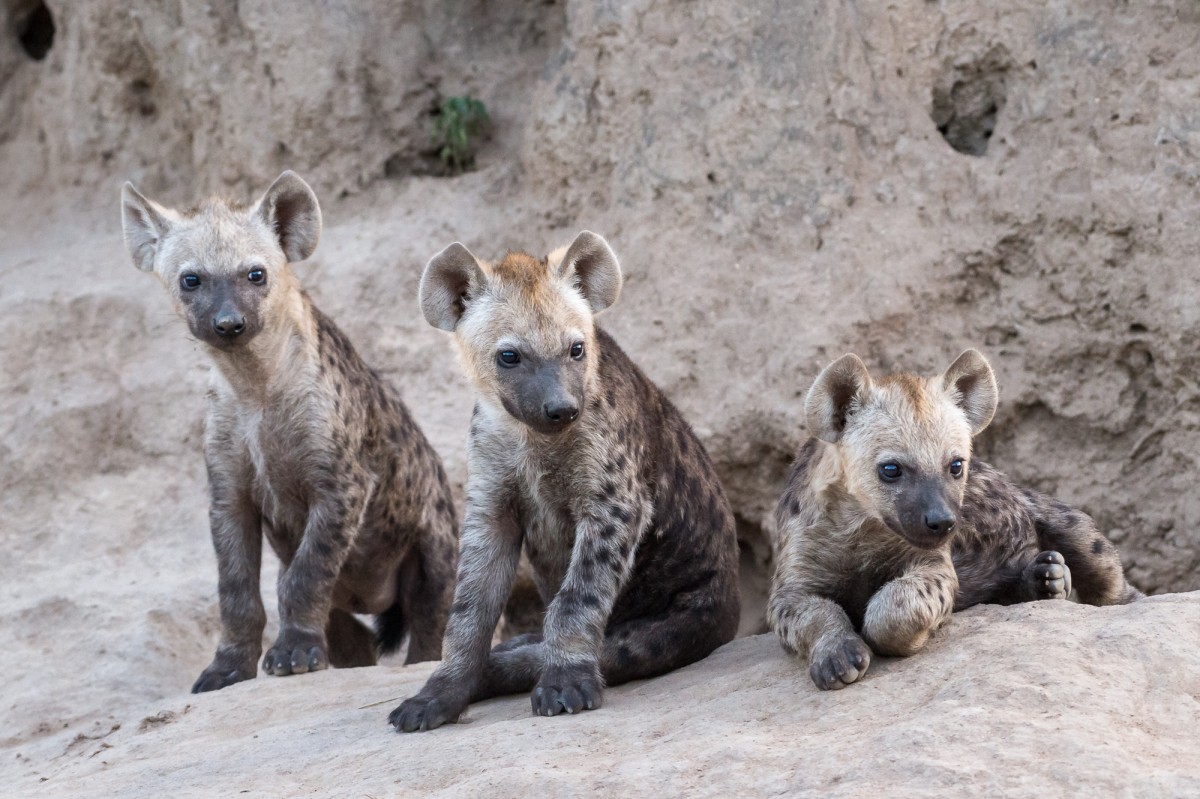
column 888, row 524
column 304, row 444
column 575, row 455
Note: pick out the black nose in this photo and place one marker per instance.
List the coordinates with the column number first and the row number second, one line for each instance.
column 229, row 324
column 561, row 411
column 939, row 523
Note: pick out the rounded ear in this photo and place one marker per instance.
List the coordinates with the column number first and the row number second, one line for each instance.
column 972, row 386
column 450, row 278
column 593, row 267
column 838, row 392
column 145, row 224
column 290, row 209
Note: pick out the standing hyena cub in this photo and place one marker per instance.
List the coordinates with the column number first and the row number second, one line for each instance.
column 576, row 455
column 887, row 524
column 304, row 443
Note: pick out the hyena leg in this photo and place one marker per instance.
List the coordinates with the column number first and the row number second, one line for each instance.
column 901, row 615
column 237, row 538
column 577, row 617
column 524, row 639
column 1094, row 563
column 426, row 586
column 513, row 667
column 351, row 643
column 306, row 585
column 817, row 628
column 491, row 547
column 693, row 626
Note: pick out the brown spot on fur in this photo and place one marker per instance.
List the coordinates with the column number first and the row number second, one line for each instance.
column 914, row 390
column 521, row 270
column 214, row 205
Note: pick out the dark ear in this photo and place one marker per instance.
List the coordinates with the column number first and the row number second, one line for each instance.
column 145, row 224
column 290, row 208
column 450, row 278
column 593, row 266
column 839, row 390
column 972, row 385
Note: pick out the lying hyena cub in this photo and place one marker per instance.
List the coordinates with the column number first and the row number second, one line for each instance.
column 887, row 523
column 576, row 455
column 304, row 443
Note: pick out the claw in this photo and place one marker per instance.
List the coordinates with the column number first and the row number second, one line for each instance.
column 421, row 714
column 566, row 689
column 1049, row 576
column 840, row 663
column 295, row 652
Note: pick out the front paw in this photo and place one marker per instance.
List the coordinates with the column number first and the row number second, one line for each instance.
column 225, row 671
column 1048, row 577
column 427, row 711
column 567, row 689
column 296, row 652
column 839, row 662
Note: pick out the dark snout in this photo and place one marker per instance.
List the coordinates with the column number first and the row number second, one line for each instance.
column 939, row 520
column 552, row 404
column 228, row 323
column 561, row 411
column 224, row 312
column 546, row 396
column 928, row 513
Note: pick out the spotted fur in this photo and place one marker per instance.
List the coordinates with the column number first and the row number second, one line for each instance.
column 305, row 445
column 620, row 513
column 853, row 579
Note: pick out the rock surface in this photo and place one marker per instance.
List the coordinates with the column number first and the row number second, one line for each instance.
column 1051, row 697
column 783, row 183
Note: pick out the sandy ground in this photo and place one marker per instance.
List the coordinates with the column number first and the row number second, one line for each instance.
column 1048, row 698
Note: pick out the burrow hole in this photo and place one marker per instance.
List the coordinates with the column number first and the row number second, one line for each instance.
column 968, row 100
column 36, row 32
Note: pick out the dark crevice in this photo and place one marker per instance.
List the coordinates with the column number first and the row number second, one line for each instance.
column 968, row 100
column 36, row 33
column 756, row 565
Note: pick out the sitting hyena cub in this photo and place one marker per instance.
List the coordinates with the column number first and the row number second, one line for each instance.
column 576, row 455
column 304, row 443
column 887, row 524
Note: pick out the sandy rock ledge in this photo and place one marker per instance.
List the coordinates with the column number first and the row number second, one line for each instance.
column 1018, row 701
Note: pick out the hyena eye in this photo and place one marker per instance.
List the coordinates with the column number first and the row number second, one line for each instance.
column 956, row 467
column 508, row 358
column 256, row 276
column 189, row 282
column 889, row 472
column 577, row 350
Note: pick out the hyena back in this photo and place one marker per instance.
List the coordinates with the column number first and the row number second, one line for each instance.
column 304, row 444
column 887, row 523
column 576, row 456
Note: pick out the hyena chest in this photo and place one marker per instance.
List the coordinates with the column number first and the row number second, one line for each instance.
column 280, row 460
column 549, row 526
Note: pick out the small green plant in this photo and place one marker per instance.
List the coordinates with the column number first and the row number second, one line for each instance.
column 456, row 131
